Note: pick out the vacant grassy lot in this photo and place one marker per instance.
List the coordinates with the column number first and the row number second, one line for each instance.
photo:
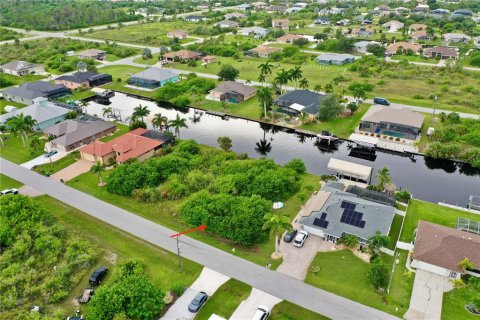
column 421, row 210
column 161, row 266
column 166, row 214
column 225, row 300
column 454, row 302
column 342, row 273
column 4, row 103
column 8, row 183
column 15, row 151
column 120, row 71
column 11, row 80
column 288, row 311
column 48, row 169
column 154, row 34
column 402, row 282
column 450, row 86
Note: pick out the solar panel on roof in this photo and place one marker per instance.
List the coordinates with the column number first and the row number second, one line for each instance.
column 350, row 216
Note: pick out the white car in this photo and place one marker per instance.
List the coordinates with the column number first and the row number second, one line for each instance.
column 262, row 313
column 9, row 191
column 430, row 131
column 300, row 238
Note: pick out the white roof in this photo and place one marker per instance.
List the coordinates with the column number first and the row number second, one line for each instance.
column 350, row 169
column 297, row 107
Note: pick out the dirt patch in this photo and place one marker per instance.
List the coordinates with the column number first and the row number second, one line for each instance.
column 111, row 257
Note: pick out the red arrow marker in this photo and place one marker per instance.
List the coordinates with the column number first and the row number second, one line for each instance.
column 199, row 228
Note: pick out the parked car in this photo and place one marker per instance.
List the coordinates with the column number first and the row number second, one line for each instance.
column 300, row 238
column 198, row 302
column 262, row 313
column 289, row 235
column 85, row 296
column 9, row 191
column 382, row 101
column 50, row 153
column 430, row 131
column 98, row 276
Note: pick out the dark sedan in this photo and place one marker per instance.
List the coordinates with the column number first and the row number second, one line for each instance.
column 197, row 302
column 290, row 235
column 98, row 276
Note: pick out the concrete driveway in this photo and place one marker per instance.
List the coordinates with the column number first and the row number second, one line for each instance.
column 42, row 160
column 208, row 281
column 296, row 261
column 247, row 308
column 73, row 170
column 427, row 296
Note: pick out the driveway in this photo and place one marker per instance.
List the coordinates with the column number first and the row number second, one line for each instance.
column 208, row 281
column 42, row 160
column 296, row 261
column 427, row 296
column 247, row 308
column 73, row 170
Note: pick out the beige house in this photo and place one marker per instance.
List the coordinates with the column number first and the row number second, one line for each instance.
column 280, row 23
column 289, row 38
column 177, row 34
column 185, row 55
column 263, row 51
column 21, row 68
column 401, row 47
column 231, row 91
column 94, row 54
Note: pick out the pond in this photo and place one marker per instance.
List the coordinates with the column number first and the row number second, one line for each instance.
column 427, row 179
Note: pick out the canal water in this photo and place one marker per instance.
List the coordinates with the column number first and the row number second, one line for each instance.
column 427, row 179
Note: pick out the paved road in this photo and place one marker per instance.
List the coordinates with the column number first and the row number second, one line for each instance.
column 269, row 281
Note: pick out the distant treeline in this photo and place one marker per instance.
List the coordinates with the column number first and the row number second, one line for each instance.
column 62, row 14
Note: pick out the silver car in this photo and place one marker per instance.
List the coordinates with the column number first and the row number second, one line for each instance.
column 300, row 238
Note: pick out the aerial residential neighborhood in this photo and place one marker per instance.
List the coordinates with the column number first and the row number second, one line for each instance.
column 239, row 160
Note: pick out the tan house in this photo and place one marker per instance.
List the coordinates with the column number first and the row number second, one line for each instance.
column 263, row 51
column 417, row 27
column 92, row 54
column 21, row 68
column 401, row 47
column 177, row 34
column 289, row 38
column 208, row 59
column 441, row 52
column 280, row 23
column 363, row 32
column 393, row 26
column 132, row 145
column 231, row 91
column 421, row 35
column 185, row 55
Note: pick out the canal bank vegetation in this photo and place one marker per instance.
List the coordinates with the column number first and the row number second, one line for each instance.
column 454, row 138
column 163, row 202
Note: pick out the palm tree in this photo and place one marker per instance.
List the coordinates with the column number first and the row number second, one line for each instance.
column 383, row 178
column 2, row 132
column 378, row 241
column 274, row 111
column 178, row 123
column 98, row 168
column 30, row 123
column 264, row 95
column 303, row 117
column 282, row 78
column 17, row 126
column 83, row 106
column 466, row 264
column 304, row 83
column 265, row 69
column 262, row 78
column 159, row 121
column 317, row 88
column 107, row 111
column 276, row 222
column 295, row 75
column 140, row 112
column 349, row 240
column 359, row 93
column 35, row 143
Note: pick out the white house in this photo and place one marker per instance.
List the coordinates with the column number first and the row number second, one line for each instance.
column 21, row 68
column 393, row 26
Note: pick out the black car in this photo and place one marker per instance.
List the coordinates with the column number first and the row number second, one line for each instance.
column 198, row 302
column 290, row 235
column 98, row 276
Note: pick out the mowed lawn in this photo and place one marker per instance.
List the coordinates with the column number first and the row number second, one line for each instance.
column 166, row 214
column 48, row 169
column 116, row 245
column 121, row 130
column 4, row 103
column 14, row 150
column 11, row 80
column 414, row 91
column 120, row 71
column 8, row 183
column 342, row 273
column 395, row 231
column 288, row 311
column 421, row 210
column 225, row 300
column 454, row 302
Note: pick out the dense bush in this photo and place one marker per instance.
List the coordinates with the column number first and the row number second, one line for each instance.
column 38, row 258
column 183, row 90
column 128, row 293
column 239, row 219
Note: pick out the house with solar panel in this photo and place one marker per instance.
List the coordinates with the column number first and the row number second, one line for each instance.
column 338, row 210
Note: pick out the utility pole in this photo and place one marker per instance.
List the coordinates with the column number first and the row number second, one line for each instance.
column 434, row 108
column 177, row 236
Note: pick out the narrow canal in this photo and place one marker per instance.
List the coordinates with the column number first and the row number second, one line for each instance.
column 427, row 179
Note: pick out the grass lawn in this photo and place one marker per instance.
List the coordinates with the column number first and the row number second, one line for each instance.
column 225, row 300
column 288, row 311
column 120, row 71
column 414, row 58
column 12, row 80
column 121, row 130
column 402, row 282
column 248, row 109
column 395, row 231
column 50, row 168
column 165, row 213
column 8, row 183
column 15, row 151
column 342, row 273
column 341, row 127
column 421, row 210
column 415, row 90
column 454, row 302
column 161, row 266
column 4, row 103
column 149, row 62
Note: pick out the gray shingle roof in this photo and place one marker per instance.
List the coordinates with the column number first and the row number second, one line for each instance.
column 403, row 116
column 377, row 217
column 31, row 90
column 80, row 77
column 307, row 98
column 71, row 131
column 18, row 65
column 232, row 86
